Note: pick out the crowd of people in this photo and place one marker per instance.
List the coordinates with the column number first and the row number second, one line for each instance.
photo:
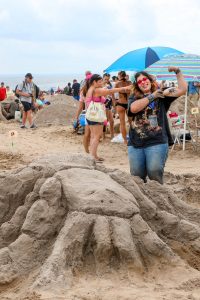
column 20, row 103
column 69, row 90
column 7, row 108
column 141, row 105
column 144, row 104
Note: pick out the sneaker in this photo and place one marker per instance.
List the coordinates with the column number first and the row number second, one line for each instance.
column 23, row 126
column 33, row 126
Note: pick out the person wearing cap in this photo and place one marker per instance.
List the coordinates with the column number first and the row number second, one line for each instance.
column 26, row 91
column 2, row 92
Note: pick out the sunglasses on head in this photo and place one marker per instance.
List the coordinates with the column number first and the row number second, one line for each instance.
column 142, row 80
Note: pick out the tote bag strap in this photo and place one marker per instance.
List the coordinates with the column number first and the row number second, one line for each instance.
column 92, row 97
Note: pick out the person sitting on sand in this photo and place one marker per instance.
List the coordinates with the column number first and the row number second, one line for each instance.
column 8, row 108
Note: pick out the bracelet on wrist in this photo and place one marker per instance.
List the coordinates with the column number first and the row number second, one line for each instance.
column 151, row 98
column 177, row 71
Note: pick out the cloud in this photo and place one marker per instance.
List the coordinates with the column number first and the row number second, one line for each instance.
column 73, row 35
column 4, row 16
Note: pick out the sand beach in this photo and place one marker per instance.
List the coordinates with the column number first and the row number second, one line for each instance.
column 156, row 279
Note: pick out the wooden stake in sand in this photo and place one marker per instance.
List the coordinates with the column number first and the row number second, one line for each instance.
column 13, row 135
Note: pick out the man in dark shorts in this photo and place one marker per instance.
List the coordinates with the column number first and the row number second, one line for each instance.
column 26, row 92
column 76, row 90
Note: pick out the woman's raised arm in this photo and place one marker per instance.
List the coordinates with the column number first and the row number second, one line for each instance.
column 182, row 84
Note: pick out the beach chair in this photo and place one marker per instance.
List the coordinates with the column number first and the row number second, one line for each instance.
column 195, row 111
column 176, row 123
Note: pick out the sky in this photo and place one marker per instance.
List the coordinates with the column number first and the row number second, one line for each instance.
column 71, row 36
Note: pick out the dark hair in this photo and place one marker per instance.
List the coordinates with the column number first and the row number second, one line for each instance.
column 122, row 75
column 114, row 77
column 29, row 75
column 89, row 82
column 106, row 74
column 136, row 90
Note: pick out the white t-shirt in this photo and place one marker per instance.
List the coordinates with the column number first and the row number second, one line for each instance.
column 26, row 88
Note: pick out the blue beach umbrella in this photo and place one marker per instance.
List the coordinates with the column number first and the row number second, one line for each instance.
column 140, row 59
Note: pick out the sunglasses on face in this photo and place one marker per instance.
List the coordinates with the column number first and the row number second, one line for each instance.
column 139, row 82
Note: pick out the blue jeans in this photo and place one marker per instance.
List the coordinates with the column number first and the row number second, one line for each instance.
column 76, row 98
column 149, row 161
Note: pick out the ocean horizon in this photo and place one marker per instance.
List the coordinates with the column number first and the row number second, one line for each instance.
column 44, row 81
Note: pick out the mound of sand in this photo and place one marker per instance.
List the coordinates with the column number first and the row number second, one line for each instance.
column 63, row 218
column 178, row 106
column 8, row 159
column 61, row 111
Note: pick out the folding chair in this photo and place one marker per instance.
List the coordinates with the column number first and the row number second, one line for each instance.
column 177, row 129
column 195, row 111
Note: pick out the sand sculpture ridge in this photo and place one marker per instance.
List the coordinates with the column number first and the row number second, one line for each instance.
column 63, row 215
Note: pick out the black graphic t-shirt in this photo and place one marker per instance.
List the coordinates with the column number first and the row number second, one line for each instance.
column 150, row 126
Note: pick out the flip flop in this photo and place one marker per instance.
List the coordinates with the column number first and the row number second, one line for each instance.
column 100, row 159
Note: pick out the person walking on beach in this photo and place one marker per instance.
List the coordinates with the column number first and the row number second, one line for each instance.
column 26, row 91
column 88, row 75
column 149, row 135
column 2, row 92
column 68, row 89
column 93, row 91
column 76, row 90
column 122, row 103
column 81, row 107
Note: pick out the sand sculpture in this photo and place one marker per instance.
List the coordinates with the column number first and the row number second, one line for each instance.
column 63, row 215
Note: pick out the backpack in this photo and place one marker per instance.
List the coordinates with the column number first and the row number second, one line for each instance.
column 15, row 91
column 36, row 88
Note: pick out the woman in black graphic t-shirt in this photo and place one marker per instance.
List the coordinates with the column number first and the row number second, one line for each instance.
column 149, row 135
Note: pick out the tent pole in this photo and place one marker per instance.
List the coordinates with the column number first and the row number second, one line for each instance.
column 185, row 120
